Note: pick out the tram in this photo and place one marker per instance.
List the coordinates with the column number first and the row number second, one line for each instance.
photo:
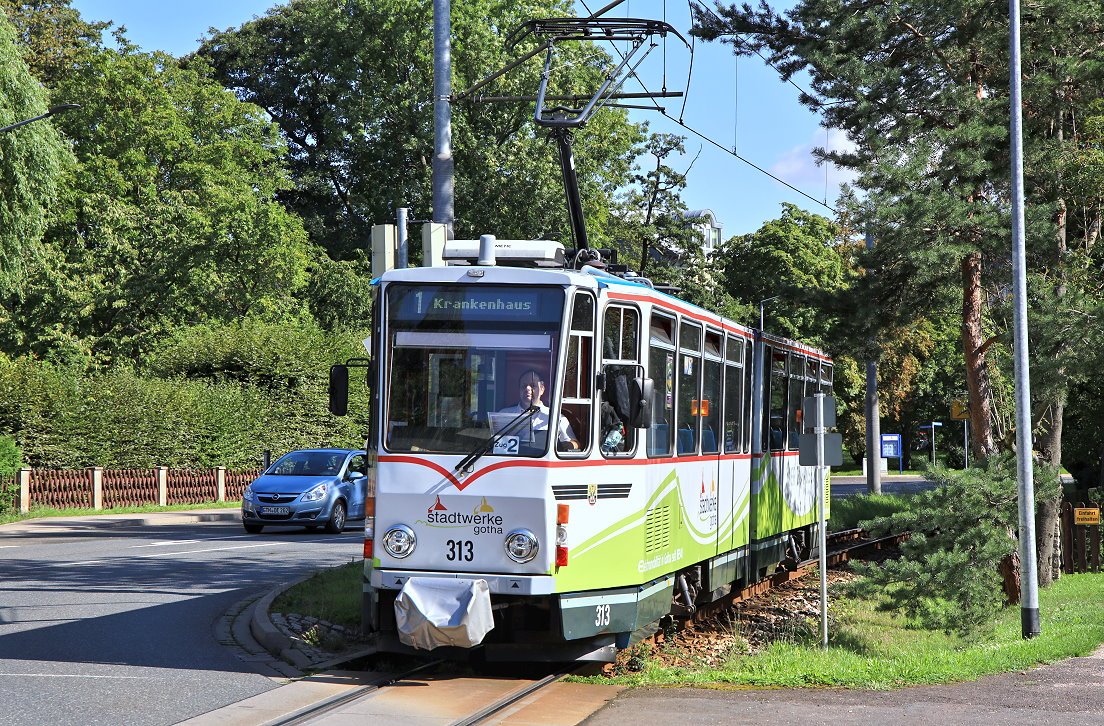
column 561, row 456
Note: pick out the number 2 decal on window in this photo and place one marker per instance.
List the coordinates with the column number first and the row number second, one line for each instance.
column 506, row 446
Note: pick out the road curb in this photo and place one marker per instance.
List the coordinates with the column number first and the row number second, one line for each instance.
column 271, row 638
column 289, row 649
column 106, row 520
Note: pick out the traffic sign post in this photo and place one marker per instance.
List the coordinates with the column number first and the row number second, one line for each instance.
column 821, row 449
column 932, row 426
column 960, row 411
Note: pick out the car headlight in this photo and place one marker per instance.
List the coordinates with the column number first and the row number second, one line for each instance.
column 248, row 493
column 521, row 546
column 399, row 541
column 315, row 494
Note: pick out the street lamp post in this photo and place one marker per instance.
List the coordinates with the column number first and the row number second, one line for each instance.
column 53, row 110
column 761, row 303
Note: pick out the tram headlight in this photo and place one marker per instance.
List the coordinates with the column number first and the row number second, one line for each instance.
column 399, row 541
column 521, row 546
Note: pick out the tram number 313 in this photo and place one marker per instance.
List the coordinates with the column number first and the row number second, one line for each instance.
column 601, row 616
column 462, row 550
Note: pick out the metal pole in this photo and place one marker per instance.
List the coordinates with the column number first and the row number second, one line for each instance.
column 933, row 442
column 822, row 525
column 966, row 443
column 404, row 246
column 1029, row 597
column 873, row 416
column 442, row 173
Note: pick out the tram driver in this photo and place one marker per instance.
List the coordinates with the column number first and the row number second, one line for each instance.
column 531, row 389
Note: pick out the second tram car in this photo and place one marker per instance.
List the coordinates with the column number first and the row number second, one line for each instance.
column 560, row 458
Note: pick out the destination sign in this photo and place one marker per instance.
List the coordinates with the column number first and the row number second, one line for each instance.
column 411, row 303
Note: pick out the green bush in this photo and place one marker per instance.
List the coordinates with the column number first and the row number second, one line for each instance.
column 211, row 396
column 947, row 576
column 11, row 458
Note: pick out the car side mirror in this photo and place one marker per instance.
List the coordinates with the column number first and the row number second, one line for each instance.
column 350, row 475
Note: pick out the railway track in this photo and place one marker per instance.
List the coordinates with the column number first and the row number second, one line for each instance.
column 431, row 693
column 843, row 546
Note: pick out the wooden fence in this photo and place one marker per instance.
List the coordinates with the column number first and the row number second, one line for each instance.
column 1081, row 542
column 98, row 488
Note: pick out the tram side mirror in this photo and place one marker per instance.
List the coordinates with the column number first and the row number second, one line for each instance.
column 642, row 391
column 339, row 389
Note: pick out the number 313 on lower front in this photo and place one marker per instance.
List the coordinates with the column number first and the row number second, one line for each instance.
column 460, row 550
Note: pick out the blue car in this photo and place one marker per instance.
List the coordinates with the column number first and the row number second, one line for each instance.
column 311, row 487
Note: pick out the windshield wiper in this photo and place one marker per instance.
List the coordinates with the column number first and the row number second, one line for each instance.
column 468, row 461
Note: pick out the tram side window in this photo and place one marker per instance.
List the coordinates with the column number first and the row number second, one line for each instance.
column 661, row 369
column 710, row 407
column 734, row 395
column 689, row 389
column 620, row 360
column 578, row 374
column 826, row 378
column 775, row 430
column 749, row 374
column 797, row 395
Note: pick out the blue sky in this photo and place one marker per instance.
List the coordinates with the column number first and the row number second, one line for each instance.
column 738, row 103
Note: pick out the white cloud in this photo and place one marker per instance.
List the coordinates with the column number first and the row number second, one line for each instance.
column 799, row 167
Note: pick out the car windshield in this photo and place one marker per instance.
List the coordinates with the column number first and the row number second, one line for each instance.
column 309, row 463
column 466, row 359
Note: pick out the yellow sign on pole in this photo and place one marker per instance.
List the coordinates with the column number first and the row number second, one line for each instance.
column 1086, row 515
column 960, row 410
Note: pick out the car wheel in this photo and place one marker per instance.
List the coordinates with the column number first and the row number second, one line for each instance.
column 337, row 519
column 253, row 528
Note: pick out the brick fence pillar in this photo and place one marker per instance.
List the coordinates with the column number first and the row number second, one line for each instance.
column 24, row 491
column 220, row 478
column 163, row 486
column 97, row 487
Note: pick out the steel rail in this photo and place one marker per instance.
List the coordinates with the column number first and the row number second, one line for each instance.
column 334, row 702
column 509, row 699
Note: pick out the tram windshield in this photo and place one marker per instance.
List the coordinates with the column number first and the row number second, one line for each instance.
column 466, row 358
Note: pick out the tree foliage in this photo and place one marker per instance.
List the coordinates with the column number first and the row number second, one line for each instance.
column 799, row 260
column 32, row 157
column 169, row 217
column 51, row 35
column 350, row 86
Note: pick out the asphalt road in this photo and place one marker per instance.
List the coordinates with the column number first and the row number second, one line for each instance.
column 104, row 624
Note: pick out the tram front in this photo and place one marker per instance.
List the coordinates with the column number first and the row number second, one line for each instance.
column 463, row 540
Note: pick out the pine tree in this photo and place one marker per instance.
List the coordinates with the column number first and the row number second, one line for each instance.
column 921, row 87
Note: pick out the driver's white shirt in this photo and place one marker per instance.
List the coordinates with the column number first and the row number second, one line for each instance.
column 539, row 421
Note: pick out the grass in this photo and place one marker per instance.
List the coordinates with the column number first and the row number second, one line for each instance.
column 847, row 512
column 7, row 517
column 333, row 595
column 877, row 650
column 892, row 472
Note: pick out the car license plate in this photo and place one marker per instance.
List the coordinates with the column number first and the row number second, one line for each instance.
column 275, row 510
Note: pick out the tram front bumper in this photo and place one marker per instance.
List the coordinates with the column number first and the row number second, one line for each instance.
column 434, row 612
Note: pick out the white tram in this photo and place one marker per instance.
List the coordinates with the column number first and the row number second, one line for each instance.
column 560, row 458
